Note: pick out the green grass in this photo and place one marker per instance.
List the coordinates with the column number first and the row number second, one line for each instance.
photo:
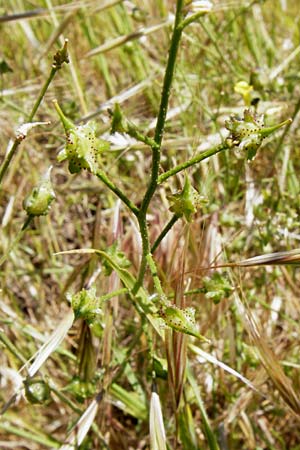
column 110, row 325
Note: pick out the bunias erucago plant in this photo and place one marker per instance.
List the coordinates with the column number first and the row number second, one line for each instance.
column 38, row 202
column 83, row 149
column 186, row 202
column 249, row 132
column 180, row 319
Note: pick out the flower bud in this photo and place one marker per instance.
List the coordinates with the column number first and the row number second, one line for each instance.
column 38, row 202
column 83, row 149
column 61, row 56
column 245, row 90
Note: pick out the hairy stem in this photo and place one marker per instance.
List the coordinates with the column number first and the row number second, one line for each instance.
column 42, row 93
column 146, row 250
column 156, row 149
column 102, row 176
column 164, row 232
column 192, row 161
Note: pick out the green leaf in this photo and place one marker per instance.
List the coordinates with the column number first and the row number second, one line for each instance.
column 210, row 435
column 129, row 402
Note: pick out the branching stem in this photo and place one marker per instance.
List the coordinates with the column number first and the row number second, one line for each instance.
column 102, row 176
column 164, row 232
column 158, row 136
column 191, row 162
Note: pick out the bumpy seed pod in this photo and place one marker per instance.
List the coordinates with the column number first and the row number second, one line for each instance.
column 180, row 319
column 186, row 202
column 217, row 287
column 37, row 391
column 38, row 202
column 248, row 133
column 83, row 149
column 85, row 304
column 81, row 389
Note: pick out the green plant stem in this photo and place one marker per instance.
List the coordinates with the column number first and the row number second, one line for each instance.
column 192, row 161
column 155, row 277
column 17, row 239
column 136, row 134
column 30, row 435
column 190, row 292
column 113, row 294
column 164, row 232
column 156, row 149
column 18, row 140
column 8, row 158
column 163, row 108
column 102, row 176
column 42, row 93
column 59, row 58
column 11, row 347
column 145, row 251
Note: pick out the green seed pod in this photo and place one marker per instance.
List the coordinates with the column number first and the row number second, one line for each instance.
column 36, row 391
column 186, row 202
column 38, row 202
column 85, row 304
column 119, row 124
column 182, row 320
column 248, row 133
column 83, row 149
column 81, row 389
column 217, row 287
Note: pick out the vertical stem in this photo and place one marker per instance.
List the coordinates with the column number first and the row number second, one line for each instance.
column 145, row 251
column 156, row 147
column 163, row 108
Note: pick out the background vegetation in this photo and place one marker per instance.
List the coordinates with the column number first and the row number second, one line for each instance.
column 109, row 364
